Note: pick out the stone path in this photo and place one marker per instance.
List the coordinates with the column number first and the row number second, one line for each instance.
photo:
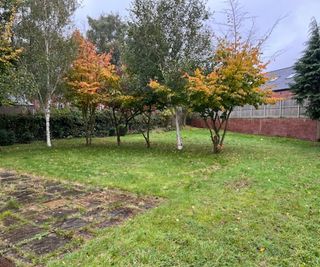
column 42, row 219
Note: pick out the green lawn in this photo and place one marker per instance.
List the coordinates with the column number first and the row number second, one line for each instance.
column 256, row 204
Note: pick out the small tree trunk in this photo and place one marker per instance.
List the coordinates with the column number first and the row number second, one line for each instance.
column 216, row 144
column 148, row 122
column 184, row 118
column 47, row 112
column 92, row 123
column 87, row 138
column 148, row 135
column 147, row 139
column 214, row 133
column 226, row 122
column 178, row 131
column 86, row 123
column 87, row 131
column 116, row 125
column 118, row 137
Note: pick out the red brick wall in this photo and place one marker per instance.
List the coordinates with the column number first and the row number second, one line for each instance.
column 304, row 129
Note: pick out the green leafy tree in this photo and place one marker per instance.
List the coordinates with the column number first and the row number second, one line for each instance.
column 17, row 85
column 44, row 34
column 8, row 53
column 306, row 84
column 119, row 102
column 165, row 40
column 107, row 33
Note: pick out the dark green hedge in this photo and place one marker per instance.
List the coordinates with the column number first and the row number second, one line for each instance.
column 27, row 128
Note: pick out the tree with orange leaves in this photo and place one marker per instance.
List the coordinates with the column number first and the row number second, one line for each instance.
column 86, row 78
column 237, row 77
column 235, row 80
column 121, row 103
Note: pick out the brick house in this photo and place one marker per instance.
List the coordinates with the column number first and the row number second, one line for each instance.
column 280, row 81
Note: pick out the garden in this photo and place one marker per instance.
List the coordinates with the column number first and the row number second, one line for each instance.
column 244, row 207
column 100, row 168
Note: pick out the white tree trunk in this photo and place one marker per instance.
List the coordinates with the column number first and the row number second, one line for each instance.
column 178, row 131
column 47, row 116
column 47, row 110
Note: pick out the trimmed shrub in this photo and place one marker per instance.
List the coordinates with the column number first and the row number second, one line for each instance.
column 7, row 138
column 64, row 124
column 25, row 138
column 123, row 130
column 112, row 132
column 67, row 124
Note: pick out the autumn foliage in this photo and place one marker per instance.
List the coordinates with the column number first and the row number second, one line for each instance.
column 236, row 79
column 8, row 54
column 90, row 73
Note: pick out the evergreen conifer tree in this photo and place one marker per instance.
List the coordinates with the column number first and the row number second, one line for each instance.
column 306, row 84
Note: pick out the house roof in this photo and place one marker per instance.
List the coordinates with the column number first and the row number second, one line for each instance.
column 281, row 79
column 20, row 101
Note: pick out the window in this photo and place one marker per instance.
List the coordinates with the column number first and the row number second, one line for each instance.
column 273, row 79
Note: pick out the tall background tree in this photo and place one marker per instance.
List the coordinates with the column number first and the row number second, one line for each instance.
column 8, row 53
column 165, row 40
column 43, row 31
column 306, row 84
column 107, row 33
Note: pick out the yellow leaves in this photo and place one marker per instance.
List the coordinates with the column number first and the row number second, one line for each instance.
column 7, row 53
column 91, row 72
column 153, row 84
column 236, row 79
column 200, row 83
column 262, row 249
column 156, row 86
column 163, row 92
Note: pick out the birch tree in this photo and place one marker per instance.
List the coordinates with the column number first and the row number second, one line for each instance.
column 167, row 38
column 44, row 33
column 188, row 45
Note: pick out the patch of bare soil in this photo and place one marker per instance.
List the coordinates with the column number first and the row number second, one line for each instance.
column 238, row 185
column 4, row 262
column 40, row 218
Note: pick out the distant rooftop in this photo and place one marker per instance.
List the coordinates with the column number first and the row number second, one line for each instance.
column 281, row 79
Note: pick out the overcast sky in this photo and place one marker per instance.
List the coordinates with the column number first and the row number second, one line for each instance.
column 289, row 37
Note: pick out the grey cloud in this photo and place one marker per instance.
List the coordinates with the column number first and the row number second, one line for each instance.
column 289, row 37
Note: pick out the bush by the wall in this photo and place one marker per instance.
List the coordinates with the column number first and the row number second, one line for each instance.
column 64, row 124
column 7, row 138
column 25, row 138
column 112, row 132
column 123, row 130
